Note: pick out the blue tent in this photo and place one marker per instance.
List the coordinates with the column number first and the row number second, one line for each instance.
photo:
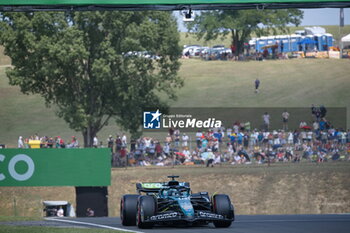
column 307, row 41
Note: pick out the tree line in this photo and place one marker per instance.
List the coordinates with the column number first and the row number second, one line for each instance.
column 81, row 61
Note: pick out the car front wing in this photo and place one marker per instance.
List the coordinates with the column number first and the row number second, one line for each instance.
column 177, row 216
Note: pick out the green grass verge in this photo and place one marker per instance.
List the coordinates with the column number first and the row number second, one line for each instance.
column 27, row 229
column 18, row 218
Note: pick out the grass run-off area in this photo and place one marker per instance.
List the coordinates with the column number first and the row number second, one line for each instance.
column 284, row 84
column 284, row 188
column 40, row 229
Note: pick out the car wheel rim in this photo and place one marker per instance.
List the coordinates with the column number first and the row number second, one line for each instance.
column 121, row 210
column 142, row 215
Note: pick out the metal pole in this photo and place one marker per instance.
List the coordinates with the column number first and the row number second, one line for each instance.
column 14, row 207
column 341, row 24
column 190, row 144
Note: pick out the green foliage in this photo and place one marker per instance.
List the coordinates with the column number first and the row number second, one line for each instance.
column 241, row 24
column 77, row 61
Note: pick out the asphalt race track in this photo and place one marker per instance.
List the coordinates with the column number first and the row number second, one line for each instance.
column 334, row 223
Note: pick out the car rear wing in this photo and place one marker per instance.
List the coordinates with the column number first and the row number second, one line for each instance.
column 154, row 187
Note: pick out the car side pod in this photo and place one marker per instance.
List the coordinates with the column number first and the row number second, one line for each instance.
column 128, row 209
column 221, row 204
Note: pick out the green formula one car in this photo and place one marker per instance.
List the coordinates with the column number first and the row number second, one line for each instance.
column 173, row 203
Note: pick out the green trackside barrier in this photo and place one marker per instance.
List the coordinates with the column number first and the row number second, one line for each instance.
column 55, row 167
column 151, row 2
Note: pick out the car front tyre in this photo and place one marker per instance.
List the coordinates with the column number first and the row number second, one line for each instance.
column 222, row 205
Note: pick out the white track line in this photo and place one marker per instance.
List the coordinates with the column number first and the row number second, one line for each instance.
column 292, row 220
column 91, row 224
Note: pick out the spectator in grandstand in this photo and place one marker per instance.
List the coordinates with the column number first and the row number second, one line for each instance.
column 185, row 139
column 315, row 126
column 217, row 158
column 285, row 117
column 204, row 143
column 253, row 139
column 171, row 133
column 110, row 142
column 95, row 142
column 309, row 135
column 61, row 142
column 265, row 53
column 302, row 125
column 199, row 135
column 281, row 46
column 158, row 150
column 209, row 158
column 276, row 142
column 147, row 142
column 20, row 142
column 323, row 111
column 123, row 156
column 118, row 144
column 229, row 151
column 166, row 149
column 266, row 121
column 187, row 155
column 242, row 152
column 132, row 145
column 50, row 143
column 168, row 139
column 215, row 145
column 239, row 138
column 237, row 159
column 210, row 133
column 228, row 132
column 218, row 135
column 151, row 149
column 260, row 138
column 43, row 141
column 257, row 84
column 342, row 137
column 245, row 140
column 316, row 112
column 247, row 126
column 177, row 137
column 57, row 142
column 124, row 140
column 74, row 143
column 236, row 127
column 322, row 124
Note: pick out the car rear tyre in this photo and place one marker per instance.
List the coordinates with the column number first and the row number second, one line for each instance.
column 222, row 205
column 146, row 208
column 128, row 209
